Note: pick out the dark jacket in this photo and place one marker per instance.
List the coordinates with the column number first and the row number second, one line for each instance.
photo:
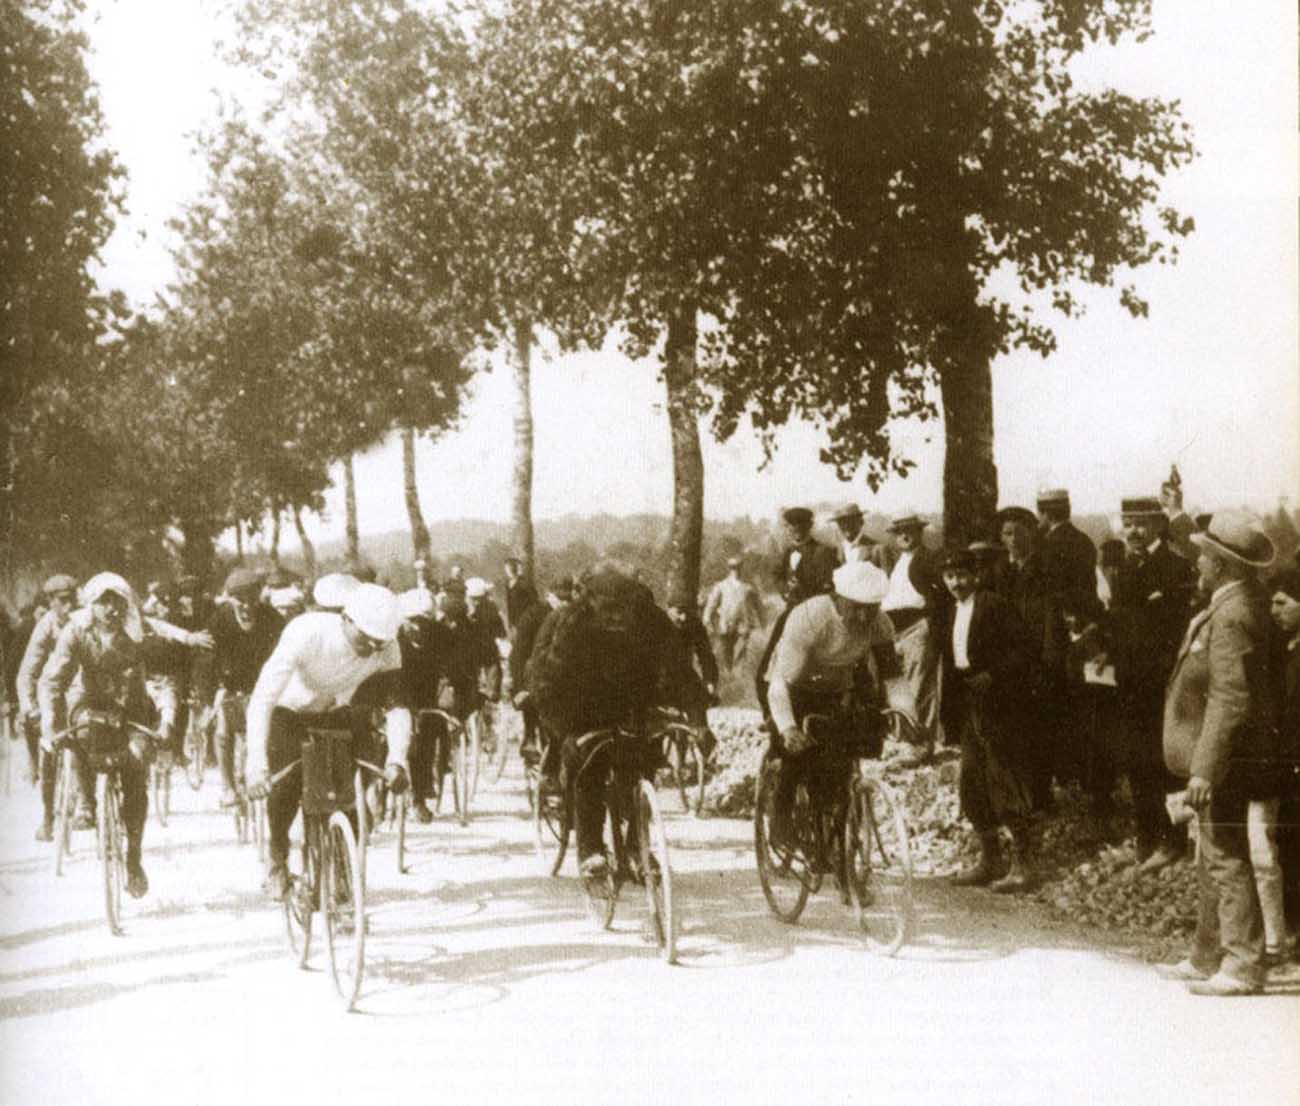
column 689, row 664
column 999, row 645
column 520, row 596
column 1024, row 586
column 811, row 576
column 1151, row 608
column 238, row 654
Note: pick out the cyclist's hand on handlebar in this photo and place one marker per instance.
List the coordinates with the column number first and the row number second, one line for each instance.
column 140, row 747
column 520, row 698
column 395, row 778
column 200, row 639
column 795, row 740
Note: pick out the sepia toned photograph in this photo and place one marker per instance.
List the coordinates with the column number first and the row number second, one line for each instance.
column 642, row 551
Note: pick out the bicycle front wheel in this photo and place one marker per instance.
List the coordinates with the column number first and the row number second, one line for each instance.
column 114, row 852
column 403, row 805
column 552, row 823
column 196, row 749
column 500, row 746
column 300, row 902
column 657, row 871
column 64, row 798
column 783, row 867
column 878, row 865
column 461, row 770
column 343, row 904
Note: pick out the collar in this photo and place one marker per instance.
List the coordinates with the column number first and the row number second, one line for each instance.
column 1155, row 545
column 1224, row 589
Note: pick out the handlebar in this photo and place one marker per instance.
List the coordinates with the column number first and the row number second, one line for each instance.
column 64, row 736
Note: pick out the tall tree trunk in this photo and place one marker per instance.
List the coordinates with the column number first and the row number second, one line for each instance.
column 239, row 541
column 308, row 550
column 196, row 552
column 275, row 535
column 970, row 478
column 419, row 532
column 351, row 533
column 687, row 532
column 521, row 510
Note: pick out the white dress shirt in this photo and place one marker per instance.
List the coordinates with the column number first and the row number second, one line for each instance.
column 901, row 595
column 313, row 668
column 961, row 632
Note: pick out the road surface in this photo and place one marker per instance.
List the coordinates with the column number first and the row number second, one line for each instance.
column 486, row 982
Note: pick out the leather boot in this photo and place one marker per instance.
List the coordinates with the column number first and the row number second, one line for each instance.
column 985, row 868
column 1020, row 875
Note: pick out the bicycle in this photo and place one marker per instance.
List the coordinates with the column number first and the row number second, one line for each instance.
column 160, row 788
column 105, row 751
column 196, row 741
column 844, row 820
column 684, row 753
column 457, row 749
column 331, row 875
column 619, row 757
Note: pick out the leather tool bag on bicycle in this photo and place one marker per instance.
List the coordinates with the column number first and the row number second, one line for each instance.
column 846, row 725
column 327, row 772
column 101, row 738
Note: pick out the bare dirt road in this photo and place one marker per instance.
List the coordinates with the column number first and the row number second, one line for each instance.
column 486, row 982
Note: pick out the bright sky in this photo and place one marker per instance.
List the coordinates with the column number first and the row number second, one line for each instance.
column 1209, row 380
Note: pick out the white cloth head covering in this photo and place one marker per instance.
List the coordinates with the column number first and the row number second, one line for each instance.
column 374, row 611
column 416, row 603
column 332, row 590
column 861, row 582
column 104, row 582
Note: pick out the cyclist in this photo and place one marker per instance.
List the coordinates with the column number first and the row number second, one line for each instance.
column 99, row 647
column 833, row 656
column 244, row 632
column 488, row 628
column 309, row 681
column 536, row 626
column 599, row 669
column 691, row 671
column 418, row 641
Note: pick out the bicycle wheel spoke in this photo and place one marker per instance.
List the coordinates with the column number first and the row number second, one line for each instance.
column 783, row 869
column 343, row 907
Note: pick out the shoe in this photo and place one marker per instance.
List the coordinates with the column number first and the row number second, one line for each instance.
column 985, row 870
column 594, row 867
column 1182, row 972
column 276, row 883
column 137, row 883
column 45, row 832
column 1163, row 856
column 84, row 819
column 229, row 800
column 1222, row 985
column 421, row 813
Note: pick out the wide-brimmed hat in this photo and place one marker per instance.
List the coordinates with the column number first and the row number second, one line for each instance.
column 959, row 558
column 906, row 520
column 61, row 584
column 1141, row 506
column 331, row 591
column 1238, row 536
column 797, row 516
column 860, row 582
column 374, row 611
column 1021, row 515
column 846, row 511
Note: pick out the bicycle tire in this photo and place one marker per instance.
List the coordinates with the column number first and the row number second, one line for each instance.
column 257, row 815
column 64, row 789
column 196, row 750
column 460, row 774
column 656, row 871
column 403, row 805
column 878, row 862
column 474, row 733
column 552, row 825
column 902, row 727
column 300, row 902
column 601, row 895
column 783, row 873
column 500, row 747
column 531, row 778
column 114, row 859
column 343, row 900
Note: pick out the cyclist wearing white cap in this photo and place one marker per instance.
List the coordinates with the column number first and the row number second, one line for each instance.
column 309, row 681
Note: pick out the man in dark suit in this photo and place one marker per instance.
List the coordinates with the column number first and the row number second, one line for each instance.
column 1218, row 734
column 806, row 565
column 1149, row 612
column 520, row 593
column 1284, row 606
column 916, row 602
column 987, row 658
column 856, row 544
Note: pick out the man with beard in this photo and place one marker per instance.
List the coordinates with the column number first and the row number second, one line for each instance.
column 599, row 670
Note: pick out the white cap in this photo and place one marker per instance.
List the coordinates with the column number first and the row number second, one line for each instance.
column 476, row 587
column 861, row 582
column 374, row 611
column 416, row 603
column 332, row 590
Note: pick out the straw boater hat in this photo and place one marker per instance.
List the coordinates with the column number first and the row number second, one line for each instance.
column 1053, row 495
column 846, row 511
column 1141, row 506
column 1237, row 536
column 908, row 520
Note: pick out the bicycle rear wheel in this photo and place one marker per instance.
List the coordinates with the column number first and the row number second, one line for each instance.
column 196, row 749
column 403, row 803
column 114, row 855
column 688, row 769
column 160, row 792
column 257, row 815
column 878, row 865
column 343, row 905
column 500, row 745
column 552, row 824
column 783, row 869
column 64, row 799
column 461, row 772
column 601, row 893
column 656, row 871
column 300, row 902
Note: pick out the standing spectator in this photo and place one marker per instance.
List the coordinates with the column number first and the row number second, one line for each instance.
column 1217, row 734
column 732, row 613
column 987, row 656
column 806, row 565
column 856, row 543
column 1068, row 562
column 990, row 562
column 1110, row 561
column 690, row 674
column 1150, row 610
column 1285, row 608
column 915, row 603
column 1181, row 526
column 520, row 593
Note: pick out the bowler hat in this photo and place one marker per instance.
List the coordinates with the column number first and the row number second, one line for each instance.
column 846, row 511
column 959, row 559
column 797, row 516
column 986, row 550
column 1237, row 535
column 1022, row 515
